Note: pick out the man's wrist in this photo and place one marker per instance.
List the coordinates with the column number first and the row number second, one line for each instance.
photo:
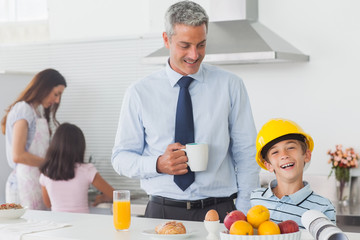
column 157, row 161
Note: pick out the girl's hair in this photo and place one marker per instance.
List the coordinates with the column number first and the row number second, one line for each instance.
column 67, row 148
column 38, row 89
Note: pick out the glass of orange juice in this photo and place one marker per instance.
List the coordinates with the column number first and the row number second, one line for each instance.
column 121, row 210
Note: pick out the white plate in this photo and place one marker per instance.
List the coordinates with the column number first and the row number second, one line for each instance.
column 288, row 236
column 153, row 235
column 12, row 213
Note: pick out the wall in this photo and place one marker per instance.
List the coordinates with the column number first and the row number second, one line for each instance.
column 19, row 32
column 97, row 75
column 84, row 19
column 321, row 95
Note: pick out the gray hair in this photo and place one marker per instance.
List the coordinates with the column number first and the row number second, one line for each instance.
column 187, row 13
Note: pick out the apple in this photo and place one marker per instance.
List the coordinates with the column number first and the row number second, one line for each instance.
column 232, row 217
column 288, row 226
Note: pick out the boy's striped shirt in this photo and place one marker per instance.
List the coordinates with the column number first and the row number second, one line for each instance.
column 291, row 207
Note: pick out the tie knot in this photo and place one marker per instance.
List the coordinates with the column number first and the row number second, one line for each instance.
column 185, row 81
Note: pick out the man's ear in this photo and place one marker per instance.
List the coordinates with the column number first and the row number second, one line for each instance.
column 268, row 166
column 166, row 40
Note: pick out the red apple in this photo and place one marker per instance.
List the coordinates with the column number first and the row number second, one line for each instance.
column 232, row 217
column 288, row 226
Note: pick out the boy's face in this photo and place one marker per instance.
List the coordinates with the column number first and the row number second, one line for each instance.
column 287, row 160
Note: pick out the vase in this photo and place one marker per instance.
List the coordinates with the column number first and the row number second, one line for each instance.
column 343, row 182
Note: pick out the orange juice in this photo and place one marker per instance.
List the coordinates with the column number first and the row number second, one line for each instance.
column 121, row 212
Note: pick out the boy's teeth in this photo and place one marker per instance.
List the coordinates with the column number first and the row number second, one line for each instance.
column 287, row 165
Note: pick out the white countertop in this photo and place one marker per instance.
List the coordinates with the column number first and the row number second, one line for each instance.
column 100, row 227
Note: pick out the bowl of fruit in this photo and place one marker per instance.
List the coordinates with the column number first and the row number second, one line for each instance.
column 11, row 211
column 256, row 225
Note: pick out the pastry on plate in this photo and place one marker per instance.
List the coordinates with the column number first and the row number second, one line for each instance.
column 171, row 227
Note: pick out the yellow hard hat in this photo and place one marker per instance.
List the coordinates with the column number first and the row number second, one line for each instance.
column 273, row 131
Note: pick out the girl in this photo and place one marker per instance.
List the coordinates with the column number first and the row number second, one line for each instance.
column 27, row 136
column 65, row 178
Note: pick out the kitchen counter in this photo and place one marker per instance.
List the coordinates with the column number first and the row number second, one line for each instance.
column 137, row 210
column 348, row 217
column 97, row 226
column 138, row 200
column 353, row 208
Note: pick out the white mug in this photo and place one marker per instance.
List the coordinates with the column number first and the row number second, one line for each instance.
column 198, row 155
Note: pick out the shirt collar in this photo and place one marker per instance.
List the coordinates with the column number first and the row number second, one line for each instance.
column 175, row 76
column 296, row 198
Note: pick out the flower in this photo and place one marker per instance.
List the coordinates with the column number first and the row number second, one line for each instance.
column 342, row 161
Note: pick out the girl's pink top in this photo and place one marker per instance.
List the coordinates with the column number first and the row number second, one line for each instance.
column 70, row 195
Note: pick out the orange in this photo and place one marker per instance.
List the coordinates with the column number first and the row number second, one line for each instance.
column 268, row 228
column 241, row 227
column 257, row 215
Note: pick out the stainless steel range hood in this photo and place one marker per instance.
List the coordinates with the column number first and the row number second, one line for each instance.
column 240, row 41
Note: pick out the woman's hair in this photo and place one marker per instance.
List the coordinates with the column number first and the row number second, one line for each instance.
column 187, row 13
column 67, row 148
column 38, row 89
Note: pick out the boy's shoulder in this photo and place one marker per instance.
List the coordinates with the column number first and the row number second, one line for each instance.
column 259, row 192
column 263, row 196
column 264, row 192
column 320, row 200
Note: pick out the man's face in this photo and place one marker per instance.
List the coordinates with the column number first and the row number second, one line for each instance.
column 187, row 48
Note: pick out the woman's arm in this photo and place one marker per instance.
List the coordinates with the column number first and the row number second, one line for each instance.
column 45, row 196
column 103, row 187
column 20, row 155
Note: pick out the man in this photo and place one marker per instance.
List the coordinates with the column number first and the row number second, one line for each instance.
column 152, row 127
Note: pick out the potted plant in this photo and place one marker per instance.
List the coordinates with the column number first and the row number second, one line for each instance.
column 342, row 162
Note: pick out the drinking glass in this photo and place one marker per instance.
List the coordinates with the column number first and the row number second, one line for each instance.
column 121, row 210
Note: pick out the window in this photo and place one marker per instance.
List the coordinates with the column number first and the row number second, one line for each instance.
column 23, row 10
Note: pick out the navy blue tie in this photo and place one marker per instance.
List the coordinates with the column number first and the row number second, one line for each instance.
column 184, row 127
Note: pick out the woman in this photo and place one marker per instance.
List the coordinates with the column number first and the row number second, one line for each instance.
column 27, row 132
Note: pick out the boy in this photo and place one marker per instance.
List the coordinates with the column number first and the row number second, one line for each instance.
column 284, row 148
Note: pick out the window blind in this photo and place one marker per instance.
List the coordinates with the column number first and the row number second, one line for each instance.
column 98, row 74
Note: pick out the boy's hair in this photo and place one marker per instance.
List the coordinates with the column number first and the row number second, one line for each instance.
column 302, row 143
column 66, row 149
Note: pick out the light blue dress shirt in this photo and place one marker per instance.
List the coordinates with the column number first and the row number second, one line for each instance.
column 222, row 119
column 292, row 207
